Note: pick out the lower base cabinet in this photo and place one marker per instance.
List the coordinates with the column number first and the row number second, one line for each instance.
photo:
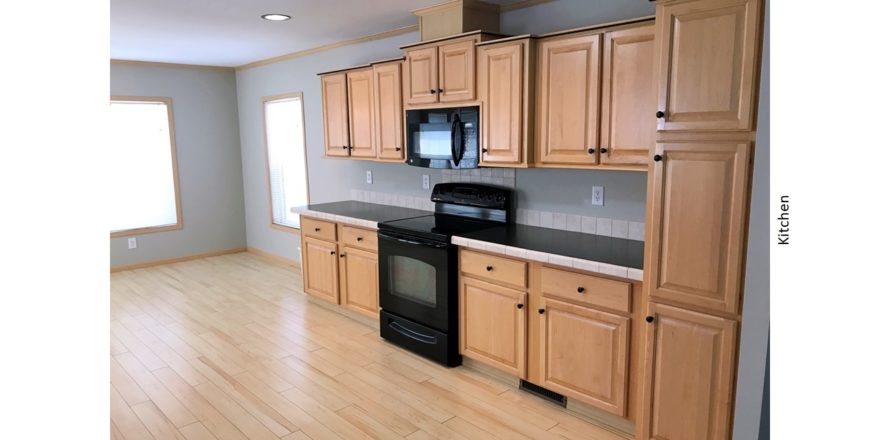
column 359, row 280
column 584, row 354
column 493, row 326
column 689, row 366
column 320, row 269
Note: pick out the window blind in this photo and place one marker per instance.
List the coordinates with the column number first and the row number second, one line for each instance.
column 285, row 145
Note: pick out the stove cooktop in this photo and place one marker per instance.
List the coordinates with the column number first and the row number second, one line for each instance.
column 438, row 226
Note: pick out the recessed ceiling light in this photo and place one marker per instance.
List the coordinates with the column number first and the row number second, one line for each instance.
column 275, row 17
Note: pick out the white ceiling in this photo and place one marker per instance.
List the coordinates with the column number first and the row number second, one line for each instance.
column 231, row 32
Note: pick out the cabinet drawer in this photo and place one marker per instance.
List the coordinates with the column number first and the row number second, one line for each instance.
column 359, row 238
column 494, row 268
column 586, row 289
column 318, row 229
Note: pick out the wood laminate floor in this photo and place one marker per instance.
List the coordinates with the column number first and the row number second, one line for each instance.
column 229, row 348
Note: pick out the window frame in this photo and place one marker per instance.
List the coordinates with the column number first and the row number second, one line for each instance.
column 263, row 102
column 171, row 133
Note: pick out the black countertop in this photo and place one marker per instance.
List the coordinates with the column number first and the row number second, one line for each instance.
column 367, row 211
column 598, row 248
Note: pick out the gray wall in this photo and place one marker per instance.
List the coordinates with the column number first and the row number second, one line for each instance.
column 208, row 156
column 754, row 336
column 330, row 180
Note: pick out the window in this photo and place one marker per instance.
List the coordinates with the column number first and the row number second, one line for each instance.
column 286, row 155
column 144, row 192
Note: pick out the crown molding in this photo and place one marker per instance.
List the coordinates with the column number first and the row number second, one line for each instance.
column 158, row 64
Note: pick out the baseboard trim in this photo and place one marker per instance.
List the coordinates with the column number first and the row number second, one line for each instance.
column 275, row 258
column 152, row 263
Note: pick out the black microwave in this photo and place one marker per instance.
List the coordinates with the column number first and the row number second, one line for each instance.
column 443, row 137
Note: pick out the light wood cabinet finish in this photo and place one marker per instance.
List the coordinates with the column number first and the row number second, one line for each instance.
column 457, row 71
column 696, row 216
column 359, row 280
column 388, row 111
column 492, row 325
column 360, row 113
column 334, row 95
column 689, row 370
column 707, row 64
column 420, row 76
column 586, row 289
column 493, row 268
column 584, row 354
column 504, row 85
column 568, row 110
column 360, row 238
column 628, row 90
column 320, row 269
column 318, row 228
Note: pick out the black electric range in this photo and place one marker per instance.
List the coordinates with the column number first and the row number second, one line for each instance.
column 418, row 267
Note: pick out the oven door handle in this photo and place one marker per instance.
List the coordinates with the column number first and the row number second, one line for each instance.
column 408, row 241
column 427, row 339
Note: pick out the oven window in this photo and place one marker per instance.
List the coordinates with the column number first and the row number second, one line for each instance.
column 413, row 280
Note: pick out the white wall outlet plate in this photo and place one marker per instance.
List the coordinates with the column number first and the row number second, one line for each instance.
column 132, row 242
column 426, row 181
column 369, row 177
column 599, row 195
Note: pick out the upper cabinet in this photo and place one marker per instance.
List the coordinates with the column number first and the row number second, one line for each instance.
column 335, row 101
column 441, row 71
column 707, row 64
column 360, row 113
column 628, row 91
column 388, row 111
column 363, row 112
column 504, row 82
column 568, row 100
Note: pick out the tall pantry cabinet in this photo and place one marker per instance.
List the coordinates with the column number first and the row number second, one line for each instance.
column 707, row 58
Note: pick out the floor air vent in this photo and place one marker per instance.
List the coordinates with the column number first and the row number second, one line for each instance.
column 556, row 398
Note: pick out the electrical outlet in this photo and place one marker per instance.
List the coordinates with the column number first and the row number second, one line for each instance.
column 369, row 177
column 599, row 195
column 132, row 242
column 426, row 181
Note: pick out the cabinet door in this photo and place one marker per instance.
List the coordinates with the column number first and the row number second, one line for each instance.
column 420, row 76
column 335, row 96
column 500, row 85
column 698, row 194
column 707, row 64
column 359, row 279
column 492, row 325
column 628, row 89
column 388, row 111
column 457, row 72
column 584, row 354
column 568, row 126
column 360, row 113
column 689, row 371
column 320, row 269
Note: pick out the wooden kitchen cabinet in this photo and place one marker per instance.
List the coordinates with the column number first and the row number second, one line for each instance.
column 360, row 113
column 320, row 269
column 457, row 66
column 584, row 354
column 568, row 100
column 505, row 85
column 696, row 220
column 707, row 62
column 689, row 371
column 492, row 325
column 628, row 96
column 420, row 76
column 359, row 280
column 334, row 97
column 388, row 111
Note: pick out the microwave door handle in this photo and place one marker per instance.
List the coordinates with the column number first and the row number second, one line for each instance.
column 457, row 128
column 452, row 142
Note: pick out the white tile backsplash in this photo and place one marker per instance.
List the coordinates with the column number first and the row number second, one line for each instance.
column 603, row 226
column 619, row 228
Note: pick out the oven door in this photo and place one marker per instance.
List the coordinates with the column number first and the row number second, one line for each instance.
column 414, row 278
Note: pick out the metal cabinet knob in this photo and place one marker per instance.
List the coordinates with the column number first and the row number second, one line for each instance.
column 489, row 268
column 341, row 255
column 649, row 319
column 541, row 311
column 360, row 239
column 658, row 158
column 519, row 306
column 591, row 151
column 580, row 289
column 332, row 252
column 433, row 91
column 603, row 150
column 660, row 114
column 317, row 229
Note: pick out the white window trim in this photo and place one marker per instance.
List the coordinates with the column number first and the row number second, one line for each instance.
column 263, row 102
column 179, row 224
